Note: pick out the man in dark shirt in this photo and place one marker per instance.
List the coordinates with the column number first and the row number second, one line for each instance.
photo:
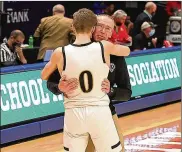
column 145, row 16
column 118, row 75
column 144, row 40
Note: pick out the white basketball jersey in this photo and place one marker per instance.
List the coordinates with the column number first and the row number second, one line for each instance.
column 86, row 63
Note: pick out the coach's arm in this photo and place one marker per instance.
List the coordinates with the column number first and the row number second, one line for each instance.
column 53, row 81
column 58, row 85
column 56, row 62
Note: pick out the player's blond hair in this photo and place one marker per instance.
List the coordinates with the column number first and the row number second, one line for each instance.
column 84, row 20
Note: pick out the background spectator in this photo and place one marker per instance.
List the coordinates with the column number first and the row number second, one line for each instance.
column 53, row 31
column 173, row 7
column 109, row 10
column 120, row 34
column 11, row 51
column 99, row 7
column 144, row 39
column 145, row 16
column 129, row 25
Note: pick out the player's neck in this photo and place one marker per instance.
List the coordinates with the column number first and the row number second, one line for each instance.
column 82, row 39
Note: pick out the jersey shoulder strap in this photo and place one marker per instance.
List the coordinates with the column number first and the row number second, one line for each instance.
column 102, row 51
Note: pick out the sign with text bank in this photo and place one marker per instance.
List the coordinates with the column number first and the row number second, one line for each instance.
column 24, row 96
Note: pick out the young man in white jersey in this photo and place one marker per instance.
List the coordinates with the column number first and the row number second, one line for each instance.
column 87, row 108
column 118, row 75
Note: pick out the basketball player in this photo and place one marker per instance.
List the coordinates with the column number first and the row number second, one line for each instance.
column 118, row 75
column 86, row 108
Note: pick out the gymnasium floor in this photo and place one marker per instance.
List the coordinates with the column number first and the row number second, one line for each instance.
column 156, row 130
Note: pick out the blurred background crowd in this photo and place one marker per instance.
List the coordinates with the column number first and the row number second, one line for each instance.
column 46, row 25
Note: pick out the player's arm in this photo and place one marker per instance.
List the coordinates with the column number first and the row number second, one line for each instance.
column 115, row 49
column 123, row 90
column 54, row 63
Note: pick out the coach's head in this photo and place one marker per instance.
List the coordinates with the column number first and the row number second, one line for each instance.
column 104, row 28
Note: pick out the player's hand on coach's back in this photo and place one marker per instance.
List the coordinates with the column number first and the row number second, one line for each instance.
column 105, row 86
column 67, row 86
column 115, row 49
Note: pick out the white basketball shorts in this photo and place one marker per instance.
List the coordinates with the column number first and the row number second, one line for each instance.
column 94, row 120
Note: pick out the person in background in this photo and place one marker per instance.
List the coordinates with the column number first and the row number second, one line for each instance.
column 144, row 40
column 173, row 7
column 109, row 9
column 99, row 7
column 11, row 51
column 145, row 16
column 120, row 35
column 53, row 31
column 129, row 25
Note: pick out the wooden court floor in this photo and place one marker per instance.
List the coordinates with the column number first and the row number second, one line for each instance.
column 164, row 120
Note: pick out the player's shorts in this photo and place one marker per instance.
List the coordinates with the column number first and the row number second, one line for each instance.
column 94, row 120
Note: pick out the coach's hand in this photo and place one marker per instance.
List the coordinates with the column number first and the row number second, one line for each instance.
column 67, row 86
column 105, row 86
